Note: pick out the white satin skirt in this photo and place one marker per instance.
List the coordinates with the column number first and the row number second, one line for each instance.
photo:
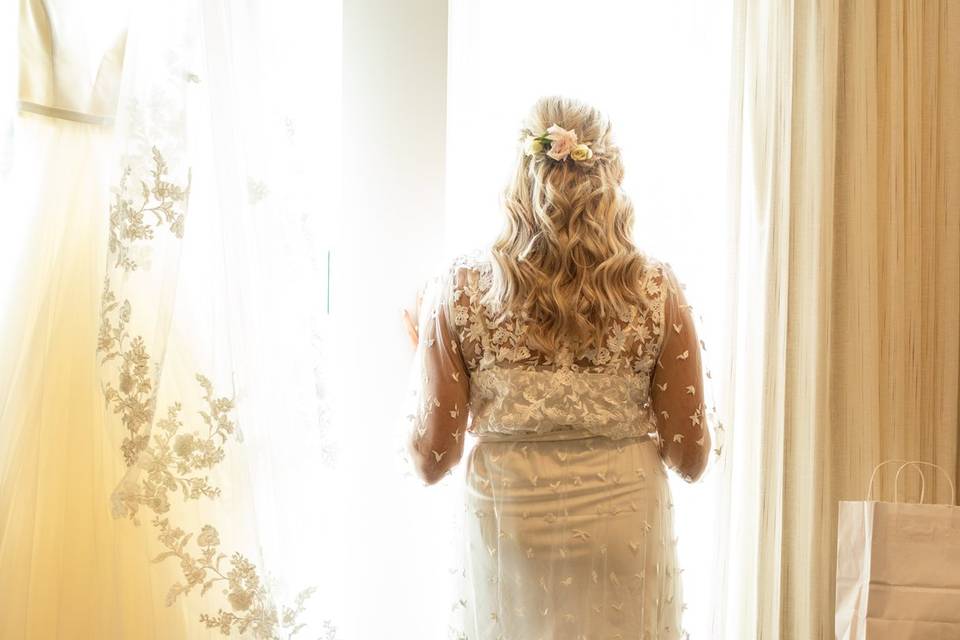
column 570, row 540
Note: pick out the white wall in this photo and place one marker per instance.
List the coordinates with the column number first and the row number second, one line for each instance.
column 389, row 233
column 388, row 238
column 394, row 128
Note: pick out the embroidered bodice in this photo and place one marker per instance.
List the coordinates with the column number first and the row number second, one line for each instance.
column 516, row 390
column 479, row 374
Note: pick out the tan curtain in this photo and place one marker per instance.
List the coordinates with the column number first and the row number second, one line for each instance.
column 846, row 294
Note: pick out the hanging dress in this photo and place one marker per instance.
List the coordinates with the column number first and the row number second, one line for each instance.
column 131, row 375
column 68, row 567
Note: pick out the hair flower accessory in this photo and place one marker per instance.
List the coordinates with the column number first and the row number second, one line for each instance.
column 558, row 143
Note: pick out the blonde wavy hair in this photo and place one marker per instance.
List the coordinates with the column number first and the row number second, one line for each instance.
column 566, row 260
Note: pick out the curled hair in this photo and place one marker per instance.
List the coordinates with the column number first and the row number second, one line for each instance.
column 566, row 260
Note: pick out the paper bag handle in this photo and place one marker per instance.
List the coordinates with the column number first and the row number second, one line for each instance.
column 914, row 463
column 873, row 477
column 923, row 484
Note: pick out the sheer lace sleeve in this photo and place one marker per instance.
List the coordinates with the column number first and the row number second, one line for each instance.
column 677, row 393
column 441, row 383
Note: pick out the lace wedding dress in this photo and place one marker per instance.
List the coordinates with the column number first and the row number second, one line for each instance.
column 68, row 568
column 569, row 529
column 160, row 366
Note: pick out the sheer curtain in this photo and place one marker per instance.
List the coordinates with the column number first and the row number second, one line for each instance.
column 211, row 307
column 661, row 71
column 845, row 159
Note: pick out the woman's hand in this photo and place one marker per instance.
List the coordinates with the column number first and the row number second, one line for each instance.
column 411, row 319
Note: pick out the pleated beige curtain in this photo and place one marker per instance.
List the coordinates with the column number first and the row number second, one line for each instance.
column 845, row 298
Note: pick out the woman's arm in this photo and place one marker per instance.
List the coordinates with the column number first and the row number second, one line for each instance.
column 677, row 393
column 443, row 392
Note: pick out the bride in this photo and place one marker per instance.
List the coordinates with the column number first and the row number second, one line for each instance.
column 573, row 361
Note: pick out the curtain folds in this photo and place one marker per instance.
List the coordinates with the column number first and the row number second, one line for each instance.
column 199, row 263
column 212, row 330
column 845, row 200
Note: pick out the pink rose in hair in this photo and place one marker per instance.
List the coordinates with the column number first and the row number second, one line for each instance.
column 562, row 142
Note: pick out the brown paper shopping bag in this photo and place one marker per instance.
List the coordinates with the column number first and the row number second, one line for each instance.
column 898, row 568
